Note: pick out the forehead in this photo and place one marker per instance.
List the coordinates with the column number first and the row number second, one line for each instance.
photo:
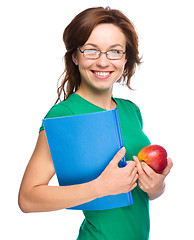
column 105, row 35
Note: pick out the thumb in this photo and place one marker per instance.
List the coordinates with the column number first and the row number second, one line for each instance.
column 119, row 155
column 168, row 167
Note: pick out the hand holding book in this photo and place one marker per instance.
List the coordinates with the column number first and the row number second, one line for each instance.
column 114, row 180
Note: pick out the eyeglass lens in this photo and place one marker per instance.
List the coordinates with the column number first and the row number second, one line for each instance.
column 94, row 54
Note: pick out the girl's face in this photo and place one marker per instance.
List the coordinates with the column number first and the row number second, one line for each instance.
column 100, row 74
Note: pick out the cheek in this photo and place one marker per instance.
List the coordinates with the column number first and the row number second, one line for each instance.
column 121, row 66
column 120, row 69
column 84, row 65
column 84, row 62
column 84, row 70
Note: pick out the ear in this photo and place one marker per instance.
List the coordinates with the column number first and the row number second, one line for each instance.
column 75, row 58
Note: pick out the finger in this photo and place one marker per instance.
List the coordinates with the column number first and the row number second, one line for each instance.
column 142, row 185
column 143, row 178
column 138, row 164
column 131, row 166
column 168, row 167
column 134, row 175
column 148, row 170
column 133, row 186
column 119, row 155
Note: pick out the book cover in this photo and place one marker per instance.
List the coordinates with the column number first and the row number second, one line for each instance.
column 81, row 147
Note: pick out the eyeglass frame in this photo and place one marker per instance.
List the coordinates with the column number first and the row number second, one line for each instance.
column 123, row 53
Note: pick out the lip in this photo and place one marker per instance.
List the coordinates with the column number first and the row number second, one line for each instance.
column 102, row 76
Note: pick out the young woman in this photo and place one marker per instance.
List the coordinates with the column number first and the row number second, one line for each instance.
column 102, row 48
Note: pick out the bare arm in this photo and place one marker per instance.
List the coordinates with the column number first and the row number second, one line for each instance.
column 36, row 196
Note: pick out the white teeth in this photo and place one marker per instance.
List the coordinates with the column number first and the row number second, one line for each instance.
column 102, row 74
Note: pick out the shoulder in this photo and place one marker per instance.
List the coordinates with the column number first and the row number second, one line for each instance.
column 59, row 110
column 130, row 108
column 127, row 103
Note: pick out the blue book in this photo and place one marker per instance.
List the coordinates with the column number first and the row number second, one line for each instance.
column 81, row 147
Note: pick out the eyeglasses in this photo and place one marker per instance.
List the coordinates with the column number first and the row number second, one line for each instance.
column 95, row 54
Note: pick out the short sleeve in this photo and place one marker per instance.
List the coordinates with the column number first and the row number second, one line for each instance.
column 58, row 110
column 139, row 116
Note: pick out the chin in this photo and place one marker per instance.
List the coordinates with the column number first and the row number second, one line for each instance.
column 103, row 87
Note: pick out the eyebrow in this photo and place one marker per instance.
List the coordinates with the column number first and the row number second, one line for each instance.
column 112, row 46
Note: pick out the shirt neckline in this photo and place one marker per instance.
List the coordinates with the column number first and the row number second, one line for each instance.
column 83, row 99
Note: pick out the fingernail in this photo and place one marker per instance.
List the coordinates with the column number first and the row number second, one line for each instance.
column 143, row 163
column 122, row 150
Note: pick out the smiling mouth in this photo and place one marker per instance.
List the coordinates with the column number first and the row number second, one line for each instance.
column 102, row 74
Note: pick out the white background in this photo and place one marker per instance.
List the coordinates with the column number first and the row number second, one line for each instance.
column 31, row 52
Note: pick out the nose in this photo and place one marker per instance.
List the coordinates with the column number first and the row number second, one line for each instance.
column 102, row 61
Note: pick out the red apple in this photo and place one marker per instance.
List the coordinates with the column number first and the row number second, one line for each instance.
column 155, row 156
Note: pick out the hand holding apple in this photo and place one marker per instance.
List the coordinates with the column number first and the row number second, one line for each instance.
column 155, row 156
column 151, row 159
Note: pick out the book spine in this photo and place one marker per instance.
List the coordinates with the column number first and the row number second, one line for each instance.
column 122, row 163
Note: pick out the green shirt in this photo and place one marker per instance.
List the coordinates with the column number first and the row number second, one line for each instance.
column 126, row 223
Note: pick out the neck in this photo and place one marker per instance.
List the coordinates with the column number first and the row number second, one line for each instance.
column 102, row 99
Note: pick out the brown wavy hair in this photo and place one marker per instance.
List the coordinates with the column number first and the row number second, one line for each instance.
column 77, row 33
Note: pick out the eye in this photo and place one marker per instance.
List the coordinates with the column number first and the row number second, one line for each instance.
column 114, row 51
column 114, row 54
column 91, row 53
